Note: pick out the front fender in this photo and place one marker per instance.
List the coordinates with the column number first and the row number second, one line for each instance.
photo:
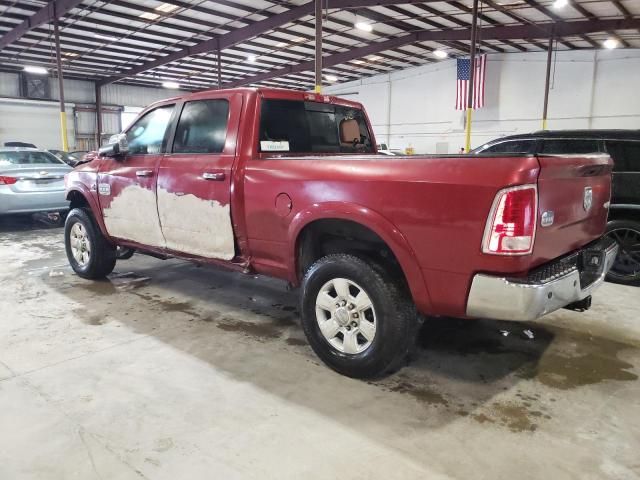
column 375, row 222
column 78, row 188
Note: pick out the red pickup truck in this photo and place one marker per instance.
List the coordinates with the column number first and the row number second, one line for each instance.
column 289, row 184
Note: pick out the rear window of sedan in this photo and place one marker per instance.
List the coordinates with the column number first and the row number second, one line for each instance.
column 28, row 158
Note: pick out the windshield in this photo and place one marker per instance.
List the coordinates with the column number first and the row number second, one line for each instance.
column 27, row 157
column 311, row 127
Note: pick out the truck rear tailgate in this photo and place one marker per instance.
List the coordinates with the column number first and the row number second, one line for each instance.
column 573, row 201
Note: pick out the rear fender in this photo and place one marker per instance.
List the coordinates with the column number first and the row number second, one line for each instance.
column 375, row 222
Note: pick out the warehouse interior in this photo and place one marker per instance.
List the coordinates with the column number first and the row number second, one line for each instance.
column 169, row 366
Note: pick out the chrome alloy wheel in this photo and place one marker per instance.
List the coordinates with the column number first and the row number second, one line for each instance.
column 80, row 244
column 346, row 316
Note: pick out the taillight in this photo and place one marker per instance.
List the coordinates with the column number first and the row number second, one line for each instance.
column 7, row 180
column 511, row 226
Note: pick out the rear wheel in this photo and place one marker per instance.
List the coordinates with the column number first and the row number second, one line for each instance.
column 626, row 268
column 89, row 253
column 359, row 322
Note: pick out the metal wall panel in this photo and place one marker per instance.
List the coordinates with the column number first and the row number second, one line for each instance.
column 131, row 96
column 36, row 122
column 9, row 84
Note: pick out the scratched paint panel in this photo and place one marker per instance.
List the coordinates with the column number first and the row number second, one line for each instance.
column 196, row 226
column 133, row 215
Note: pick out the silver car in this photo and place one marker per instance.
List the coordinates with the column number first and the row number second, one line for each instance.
column 31, row 180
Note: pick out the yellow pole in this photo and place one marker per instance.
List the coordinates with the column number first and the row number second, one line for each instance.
column 63, row 131
column 63, row 115
column 467, row 145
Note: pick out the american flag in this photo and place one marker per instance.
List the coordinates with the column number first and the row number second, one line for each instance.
column 462, row 85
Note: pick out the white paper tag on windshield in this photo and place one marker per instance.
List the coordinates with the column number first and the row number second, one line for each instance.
column 271, row 146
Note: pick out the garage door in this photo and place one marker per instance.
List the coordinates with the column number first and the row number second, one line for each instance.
column 34, row 122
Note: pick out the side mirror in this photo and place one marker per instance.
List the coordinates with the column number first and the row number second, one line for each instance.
column 116, row 147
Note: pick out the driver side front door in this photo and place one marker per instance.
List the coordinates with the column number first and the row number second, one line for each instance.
column 127, row 185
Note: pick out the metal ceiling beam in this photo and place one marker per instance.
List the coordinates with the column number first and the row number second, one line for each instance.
column 514, row 32
column 245, row 33
column 46, row 14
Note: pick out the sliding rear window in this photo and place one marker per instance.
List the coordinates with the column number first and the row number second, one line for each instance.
column 311, row 127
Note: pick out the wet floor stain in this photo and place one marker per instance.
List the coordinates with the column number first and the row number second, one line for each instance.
column 94, row 320
column 421, row 393
column 256, row 331
column 296, row 342
column 578, row 359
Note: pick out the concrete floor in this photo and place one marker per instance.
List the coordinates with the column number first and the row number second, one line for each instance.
column 205, row 374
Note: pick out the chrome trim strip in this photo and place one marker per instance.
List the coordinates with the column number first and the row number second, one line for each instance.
column 503, row 299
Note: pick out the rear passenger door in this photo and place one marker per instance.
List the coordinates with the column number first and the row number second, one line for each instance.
column 626, row 170
column 194, row 178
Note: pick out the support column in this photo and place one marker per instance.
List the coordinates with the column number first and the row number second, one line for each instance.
column 98, row 115
column 318, row 66
column 63, row 114
column 547, row 82
column 219, row 66
column 472, row 72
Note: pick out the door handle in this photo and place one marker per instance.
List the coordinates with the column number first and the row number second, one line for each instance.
column 213, row 176
column 144, row 173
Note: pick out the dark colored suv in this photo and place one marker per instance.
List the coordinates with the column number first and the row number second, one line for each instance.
column 624, row 148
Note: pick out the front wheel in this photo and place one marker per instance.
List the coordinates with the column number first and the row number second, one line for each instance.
column 626, row 268
column 360, row 323
column 89, row 253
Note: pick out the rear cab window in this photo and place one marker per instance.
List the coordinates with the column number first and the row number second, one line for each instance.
column 304, row 127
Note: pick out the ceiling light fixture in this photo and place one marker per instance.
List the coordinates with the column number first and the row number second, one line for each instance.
column 150, row 16
column 252, row 58
column 105, row 37
column 440, row 53
column 35, row 69
column 331, row 78
column 560, row 3
column 166, row 8
column 611, row 43
column 173, row 85
column 365, row 27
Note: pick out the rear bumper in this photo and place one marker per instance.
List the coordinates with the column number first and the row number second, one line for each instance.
column 32, row 202
column 546, row 289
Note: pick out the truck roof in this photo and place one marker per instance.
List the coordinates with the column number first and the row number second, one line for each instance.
column 266, row 92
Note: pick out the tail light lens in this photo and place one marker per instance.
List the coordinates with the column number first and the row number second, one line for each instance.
column 511, row 226
column 7, row 180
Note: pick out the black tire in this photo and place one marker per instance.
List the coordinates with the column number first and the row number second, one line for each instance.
column 124, row 253
column 626, row 268
column 102, row 257
column 396, row 317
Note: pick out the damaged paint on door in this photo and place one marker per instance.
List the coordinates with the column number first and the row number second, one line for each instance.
column 133, row 215
column 196, row 226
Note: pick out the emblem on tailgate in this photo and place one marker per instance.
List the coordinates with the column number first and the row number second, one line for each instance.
column 547, row 218
column 587, row 199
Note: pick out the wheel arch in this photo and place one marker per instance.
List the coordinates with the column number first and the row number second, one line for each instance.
column 80, row 197
column 365, row 225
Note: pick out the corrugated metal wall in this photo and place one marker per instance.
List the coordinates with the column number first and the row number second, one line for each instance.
column 38, row 121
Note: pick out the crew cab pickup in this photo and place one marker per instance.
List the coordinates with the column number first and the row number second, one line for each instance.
column 289, row 184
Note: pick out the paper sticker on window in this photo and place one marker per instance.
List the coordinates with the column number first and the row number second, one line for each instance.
column 271, row 146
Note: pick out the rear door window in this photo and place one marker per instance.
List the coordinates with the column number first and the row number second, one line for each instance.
column 202, row 127
column 510, row 146
column 625, row 155
column 312, row 127
column 562, row 146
